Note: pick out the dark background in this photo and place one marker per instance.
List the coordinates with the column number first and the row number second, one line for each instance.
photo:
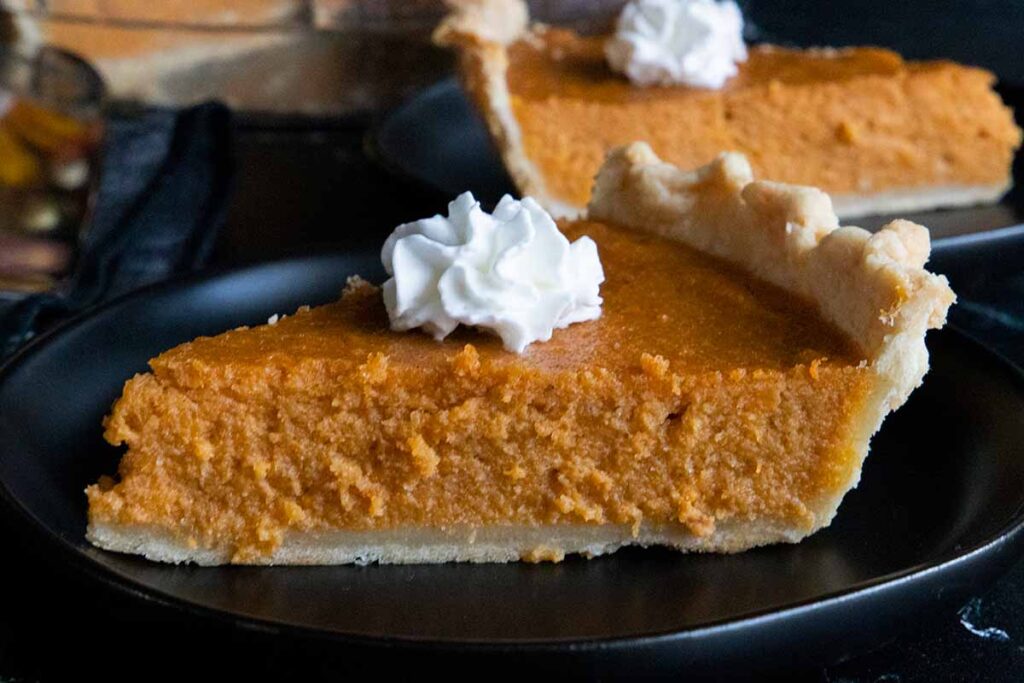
column 308, row 185
column 985, row 33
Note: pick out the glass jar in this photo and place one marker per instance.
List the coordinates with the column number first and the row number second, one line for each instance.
column 51, row 128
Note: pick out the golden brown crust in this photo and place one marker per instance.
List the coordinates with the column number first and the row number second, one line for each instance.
column 418, row 545
column 911, row 200
column 483, row 21
column 481, row 30
column 874, row 287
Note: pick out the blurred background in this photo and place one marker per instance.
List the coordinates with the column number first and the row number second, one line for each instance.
column 304, row 79
column 330, row 57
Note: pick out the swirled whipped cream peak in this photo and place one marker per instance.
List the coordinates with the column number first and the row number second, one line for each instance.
column 510, row 272
column 678, row 42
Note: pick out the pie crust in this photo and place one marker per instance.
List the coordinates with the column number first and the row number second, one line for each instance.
column 874, row 287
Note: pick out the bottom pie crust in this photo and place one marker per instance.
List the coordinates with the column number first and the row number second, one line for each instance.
column 550, row 543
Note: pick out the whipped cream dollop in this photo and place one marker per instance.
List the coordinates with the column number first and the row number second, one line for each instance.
column 510, row 272
column 688, row 42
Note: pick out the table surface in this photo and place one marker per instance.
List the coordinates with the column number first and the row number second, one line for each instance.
column 303, row 189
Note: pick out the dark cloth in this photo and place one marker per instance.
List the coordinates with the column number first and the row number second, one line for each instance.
column 165, row 180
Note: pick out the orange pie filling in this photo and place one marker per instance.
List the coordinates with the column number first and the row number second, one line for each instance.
column 699, row 397
column 851, row 122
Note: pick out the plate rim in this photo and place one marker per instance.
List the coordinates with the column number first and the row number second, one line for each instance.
column 376, row 150
column 1007, row 535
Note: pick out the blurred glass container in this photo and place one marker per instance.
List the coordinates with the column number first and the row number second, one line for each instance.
column 51, row 128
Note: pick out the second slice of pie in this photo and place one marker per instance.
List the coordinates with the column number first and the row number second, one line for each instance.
column 879, row 134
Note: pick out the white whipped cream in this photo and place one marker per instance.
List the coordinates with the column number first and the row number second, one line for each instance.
column 688, row 42
column 511, row 272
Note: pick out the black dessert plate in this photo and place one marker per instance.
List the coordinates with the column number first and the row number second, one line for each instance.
column 938, row 510
column 437, row 140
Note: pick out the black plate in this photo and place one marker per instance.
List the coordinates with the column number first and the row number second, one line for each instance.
column 939, row 509
column 438, row 140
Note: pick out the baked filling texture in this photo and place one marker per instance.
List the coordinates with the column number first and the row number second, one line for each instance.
column 747, row 351
column 875, row 132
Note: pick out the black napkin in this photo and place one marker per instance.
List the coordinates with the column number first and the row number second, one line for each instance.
column 162, row 197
